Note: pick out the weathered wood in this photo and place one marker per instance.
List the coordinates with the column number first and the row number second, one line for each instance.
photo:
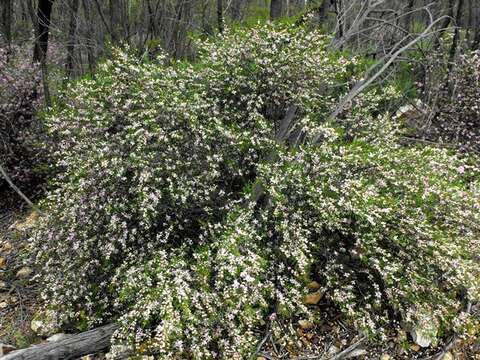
column 71, row 347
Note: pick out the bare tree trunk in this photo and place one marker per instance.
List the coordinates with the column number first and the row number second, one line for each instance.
column 339, row 13
column 237, row 9
column 44, row 11
column 276, row 9
column 114, row 21
column 322, row 9
column 71, row 37
column 456, row 36
column 151, row 21
column 220, row 16
column 7, row 22
column 445, row 23
column 409, row 15
column 89, row 36
column 476, row 36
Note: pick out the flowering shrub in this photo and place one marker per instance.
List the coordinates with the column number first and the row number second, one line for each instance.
column 20, row 97
column 455, row 96
column 195, row 225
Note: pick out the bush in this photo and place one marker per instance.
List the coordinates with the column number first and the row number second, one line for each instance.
column 195, row 226
column 20, row 98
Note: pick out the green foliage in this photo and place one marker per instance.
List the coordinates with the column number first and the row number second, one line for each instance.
column 195, row 227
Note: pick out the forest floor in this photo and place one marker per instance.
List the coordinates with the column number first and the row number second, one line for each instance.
column 330, row 338
column 18, row 291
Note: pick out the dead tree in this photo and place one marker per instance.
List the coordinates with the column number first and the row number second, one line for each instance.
column 71, row 347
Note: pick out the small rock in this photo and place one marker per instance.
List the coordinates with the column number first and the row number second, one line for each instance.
column 3, row 285
column 57, row 337
column 24, row 272
column 5, row 349
column 6, row 247
column 314, row 286
column 305, row 324
column 425, row 331
column 3, row 262
column 3, row 304
column 415, row 347
column 313, row 299
column 420, row 338
column 385, row 357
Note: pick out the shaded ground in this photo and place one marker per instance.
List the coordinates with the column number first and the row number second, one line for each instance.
column 18, row 293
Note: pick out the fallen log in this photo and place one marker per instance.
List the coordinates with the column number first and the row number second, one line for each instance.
column 71, row 347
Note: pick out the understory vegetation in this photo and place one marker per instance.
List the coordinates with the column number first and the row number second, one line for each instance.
column 195, row 202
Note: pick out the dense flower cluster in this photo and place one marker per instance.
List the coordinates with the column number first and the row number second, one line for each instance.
column 182, row 213
column 455, row 98
column 20, row 97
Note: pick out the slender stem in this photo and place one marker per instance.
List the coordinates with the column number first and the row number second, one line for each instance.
column 16, row 189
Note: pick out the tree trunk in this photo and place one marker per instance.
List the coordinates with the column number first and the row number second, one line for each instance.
column 276, row 9
column 445, row 23
column 72, row 347
column 89, row 36
column 476, row 34
column 71, row 37
column 322, row 10
column 7, row 22
column 220, row 16
column 44, row 11
column 237, row 9
column 409, row 15
column 114, row 20
column 456, row 36
column 339, row 13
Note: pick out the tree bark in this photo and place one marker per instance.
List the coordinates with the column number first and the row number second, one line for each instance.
column 445, row 23
column 7, row 22
column 71, row 37
column 89, row 36
column 237, row 9
column 220, row 16
column 114, row 20
column 409, row 15
column 72, row 347
column 44, row 11
column 276, row 9
column 476, row 34
column 322, row 10
column 456, row 36
column 339, row 13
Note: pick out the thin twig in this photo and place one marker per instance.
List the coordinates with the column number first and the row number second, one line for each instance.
column 16, row 189
column 338, row 356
